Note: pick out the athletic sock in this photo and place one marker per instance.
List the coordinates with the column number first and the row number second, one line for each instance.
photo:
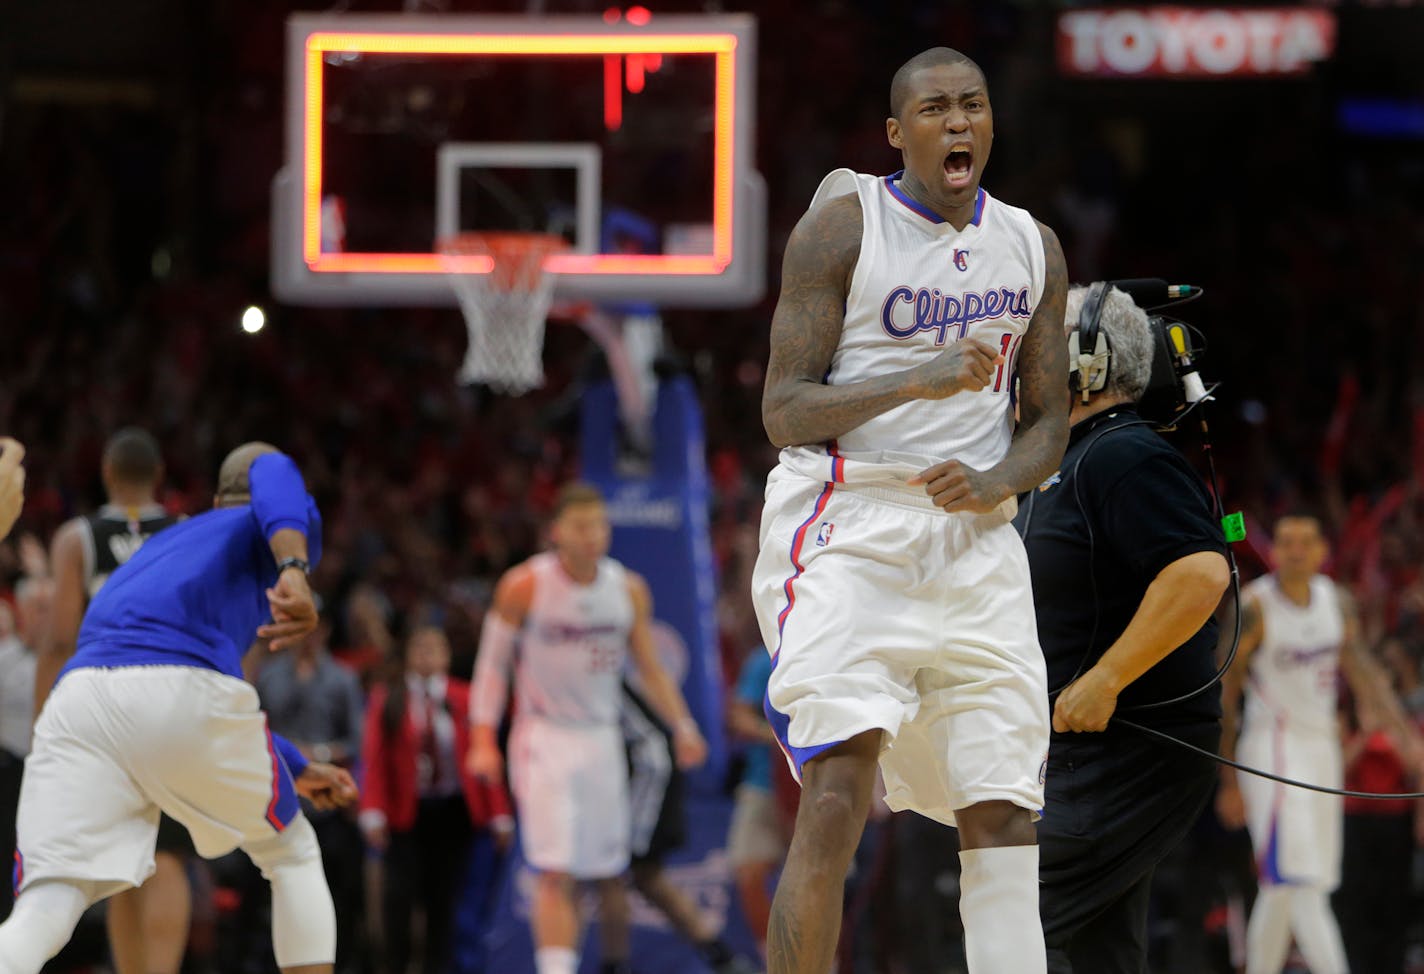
column 1317, row 933
column 41, row 924
column 556, row 960
column 998, row 901
column 1268, row 931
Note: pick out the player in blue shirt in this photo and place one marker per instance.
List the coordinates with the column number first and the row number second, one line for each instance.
column 151, row 713
column 757, row 836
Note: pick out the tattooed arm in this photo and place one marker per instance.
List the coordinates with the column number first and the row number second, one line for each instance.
column 797, row 406
column 1042, row 432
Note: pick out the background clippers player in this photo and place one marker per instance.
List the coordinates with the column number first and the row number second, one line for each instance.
column 1299, row 633
column 577, row 616
column 148, row 925
column 891, row 586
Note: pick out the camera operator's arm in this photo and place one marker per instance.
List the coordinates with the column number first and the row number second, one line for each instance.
column 1178, row 603
column 1229, row 806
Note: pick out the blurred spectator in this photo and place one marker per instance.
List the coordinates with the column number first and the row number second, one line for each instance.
column 19, row 633
column 757, row 839
column 12, row 483
column 418, row 806
column 1401, row 658
column 369, row 642
column 1373, row 901
column 317, row 704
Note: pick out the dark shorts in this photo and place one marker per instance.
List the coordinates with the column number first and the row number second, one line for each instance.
column 655, row 785
column 670, row 834
column 1115, row 805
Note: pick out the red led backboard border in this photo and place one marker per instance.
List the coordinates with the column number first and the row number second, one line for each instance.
column 721, row 46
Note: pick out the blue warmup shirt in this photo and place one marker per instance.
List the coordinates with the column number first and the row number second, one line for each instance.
column 751, row 689
column 195, row 593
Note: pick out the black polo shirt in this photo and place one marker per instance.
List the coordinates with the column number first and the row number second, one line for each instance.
column 1143, row 507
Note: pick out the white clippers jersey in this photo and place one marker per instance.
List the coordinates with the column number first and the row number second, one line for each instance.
column 919, row 286
column 574, row 644
column 1294, row 671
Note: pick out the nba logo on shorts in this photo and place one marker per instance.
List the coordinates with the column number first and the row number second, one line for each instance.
column 823, row 536
column 961, row 259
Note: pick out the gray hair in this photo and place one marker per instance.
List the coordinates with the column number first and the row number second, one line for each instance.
column 1125, row 324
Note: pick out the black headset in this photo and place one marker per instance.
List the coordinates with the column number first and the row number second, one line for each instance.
column 1090, row 356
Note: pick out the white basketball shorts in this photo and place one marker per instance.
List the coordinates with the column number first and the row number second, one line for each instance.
column 571, row 797
column 113, row 747
column 882, row 611
column 1297, row 835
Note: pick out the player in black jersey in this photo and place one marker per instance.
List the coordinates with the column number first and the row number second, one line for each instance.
column 148, row 926
column 656, row 803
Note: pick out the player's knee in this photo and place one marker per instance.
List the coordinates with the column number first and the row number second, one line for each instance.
column 294, row 847
column 846, row 769
column 833, row 808
column 42, row 922
column 303, row 917
column 555, row 883
column 994, row 824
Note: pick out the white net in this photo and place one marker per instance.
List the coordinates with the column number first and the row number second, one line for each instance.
column 504, row 308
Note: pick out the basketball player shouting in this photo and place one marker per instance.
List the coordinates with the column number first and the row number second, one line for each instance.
column 148, row 924
column 891, row 587
column 1298, row 633
column 577, row 615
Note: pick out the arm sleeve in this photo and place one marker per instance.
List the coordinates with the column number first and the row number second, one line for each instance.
column 491, row 688
column 1157, row 513
column 296, row 763
column 279, row 497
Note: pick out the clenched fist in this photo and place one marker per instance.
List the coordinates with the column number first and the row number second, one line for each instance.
column 966, row 366
column 956, row 487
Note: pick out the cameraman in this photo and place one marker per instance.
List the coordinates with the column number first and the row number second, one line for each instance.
column 1128, row 564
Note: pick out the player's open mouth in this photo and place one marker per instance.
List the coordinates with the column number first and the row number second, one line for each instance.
column 959, row 167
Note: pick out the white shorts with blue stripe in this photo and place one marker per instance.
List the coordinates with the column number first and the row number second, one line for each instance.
column 113, row 747
column 882, row 611
column 1297, row 835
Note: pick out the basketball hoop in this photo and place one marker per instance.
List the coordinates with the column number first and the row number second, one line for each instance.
column 504, row 295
